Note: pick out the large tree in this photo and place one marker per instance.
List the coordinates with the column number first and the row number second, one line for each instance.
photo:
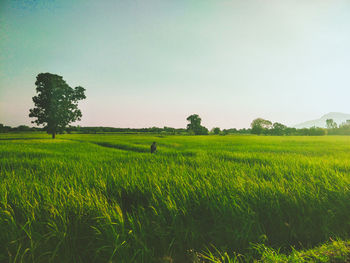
column 278, row 128
column 56, row 103
column 260, row 125
column 195, row 125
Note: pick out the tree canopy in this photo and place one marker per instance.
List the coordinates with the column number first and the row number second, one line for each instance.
column 195, row 125
column 260, row 125
column 216, row 130
column 56, row 103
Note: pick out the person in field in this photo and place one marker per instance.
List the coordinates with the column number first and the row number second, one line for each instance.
column 153, row 147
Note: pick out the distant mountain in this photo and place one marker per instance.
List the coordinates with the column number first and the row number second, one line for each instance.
column 338, row 117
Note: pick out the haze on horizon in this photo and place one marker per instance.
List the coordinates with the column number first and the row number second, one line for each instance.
column 153, row 63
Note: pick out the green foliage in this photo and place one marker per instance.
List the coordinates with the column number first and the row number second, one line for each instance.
column 278, row 129
column 105, row 198
column 235, row 131
column 216, row 130
column 4, row 129
column 260, row 126
column 56, row 104
column 313, row 131
column 334, row 251
column 331, row 124
column 195, row 127
column 343, row 129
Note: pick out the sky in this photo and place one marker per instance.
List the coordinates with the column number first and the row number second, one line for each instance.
column 153, row 63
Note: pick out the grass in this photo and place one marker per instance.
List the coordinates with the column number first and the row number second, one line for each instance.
column 105, row 198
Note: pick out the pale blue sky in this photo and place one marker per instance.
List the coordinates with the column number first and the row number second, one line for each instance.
column 153, row 63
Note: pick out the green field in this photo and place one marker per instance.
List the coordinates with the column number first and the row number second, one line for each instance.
column 105, row 198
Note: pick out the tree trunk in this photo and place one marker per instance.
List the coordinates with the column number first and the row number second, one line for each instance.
column 53, row 135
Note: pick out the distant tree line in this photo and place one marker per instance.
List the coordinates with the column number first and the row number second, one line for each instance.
column 94, row 130
column 166, row 130
column 334, row 129
column 101, row 129
column 266, row 127
column 262, row 126
column 259, row 126
column 217, row 131
column 20, row 128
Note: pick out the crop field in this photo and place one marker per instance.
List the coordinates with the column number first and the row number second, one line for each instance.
column 106, row 198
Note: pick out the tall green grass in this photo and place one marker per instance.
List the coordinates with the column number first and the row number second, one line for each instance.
column 105, row 198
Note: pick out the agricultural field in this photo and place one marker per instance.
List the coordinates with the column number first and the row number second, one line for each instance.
column 105, row 198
